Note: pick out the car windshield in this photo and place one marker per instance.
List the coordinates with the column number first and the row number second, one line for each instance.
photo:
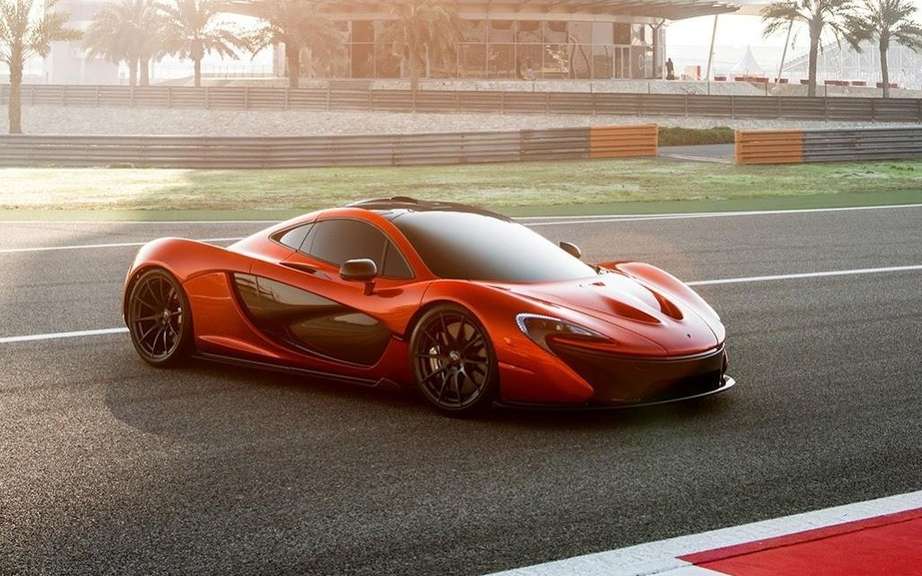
column 471, row 246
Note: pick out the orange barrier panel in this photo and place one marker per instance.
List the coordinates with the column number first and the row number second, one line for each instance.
column 622, row 141
column 769, row 147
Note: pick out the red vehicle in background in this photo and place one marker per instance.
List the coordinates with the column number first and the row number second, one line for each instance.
column 466, row 305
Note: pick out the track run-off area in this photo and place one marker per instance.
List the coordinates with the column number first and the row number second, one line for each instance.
column 108, row 465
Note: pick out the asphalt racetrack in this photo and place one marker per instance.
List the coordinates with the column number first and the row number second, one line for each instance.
column 110, row 466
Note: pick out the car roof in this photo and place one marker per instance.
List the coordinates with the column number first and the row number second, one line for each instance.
column 395, row 206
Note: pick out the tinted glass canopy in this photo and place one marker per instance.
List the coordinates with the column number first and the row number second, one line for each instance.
column 336, row 241
column 470, row 246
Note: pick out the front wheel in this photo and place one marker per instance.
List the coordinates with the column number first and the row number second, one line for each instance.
column 453, row 360
column 159, row 319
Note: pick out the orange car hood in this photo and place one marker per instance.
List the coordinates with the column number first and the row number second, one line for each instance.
column 656, row 313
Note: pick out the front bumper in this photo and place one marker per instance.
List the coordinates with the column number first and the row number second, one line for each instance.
column 619, row 381
column 726, row 382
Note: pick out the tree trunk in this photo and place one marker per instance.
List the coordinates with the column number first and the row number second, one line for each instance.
column 814, row 53
column 414, row 70
column 15, row 105
column 884, row 69
column 133, row 73
column 197, row 75
column 293, row 56
column 145, row 72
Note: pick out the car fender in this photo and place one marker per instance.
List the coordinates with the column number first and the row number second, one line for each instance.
column 528, row 373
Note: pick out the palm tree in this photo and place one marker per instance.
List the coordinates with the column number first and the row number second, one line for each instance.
column 126, row 31
column 191, row 30
column 818, row 15
column 885, row 20
column 21, row 38
column 422, row 29
column 299, row 25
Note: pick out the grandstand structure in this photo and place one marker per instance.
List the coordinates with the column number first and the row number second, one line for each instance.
column 843, row 63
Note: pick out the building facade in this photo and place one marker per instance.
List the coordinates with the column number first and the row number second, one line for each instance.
column 67, row 63
column 514, row 39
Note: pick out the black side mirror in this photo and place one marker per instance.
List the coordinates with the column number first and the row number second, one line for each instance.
column 360, row 270
column 571, row 249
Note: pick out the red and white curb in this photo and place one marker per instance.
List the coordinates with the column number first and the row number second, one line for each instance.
column 882, row 536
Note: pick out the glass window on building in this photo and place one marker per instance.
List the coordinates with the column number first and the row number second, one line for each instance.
column 502, row 31
column 443, row 63
column 622, row 33
column 387, row 57
column 362, row 31
column 637, row 62
column 473, row 31
column 580, row 32
column 528, row 32
column 581, row 61
column 602, row 33
column 556, row 61
column 602, row 62
column 659, row 50
column 501, row 61
column 530, row 57
column 339, row 62
column 638, row 34
column 387, row 62
column 648, row 63
column 473, row 60
column 363, row 61
column 555, row 33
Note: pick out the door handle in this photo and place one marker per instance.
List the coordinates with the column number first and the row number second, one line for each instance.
column 301, row 267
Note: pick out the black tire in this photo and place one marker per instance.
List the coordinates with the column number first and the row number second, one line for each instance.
column 453, row 360
column 159, row 318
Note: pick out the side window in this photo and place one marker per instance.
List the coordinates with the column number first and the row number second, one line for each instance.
column 394, row 264
column 336, row 241
column 294, row 237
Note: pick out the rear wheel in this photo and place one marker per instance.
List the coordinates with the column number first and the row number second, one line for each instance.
column 158, row 318
column 453, row 360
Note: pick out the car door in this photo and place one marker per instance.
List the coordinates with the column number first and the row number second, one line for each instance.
column 303, row 303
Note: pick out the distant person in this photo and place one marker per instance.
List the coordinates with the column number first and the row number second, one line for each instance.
column 526, row 71
column 670, row 69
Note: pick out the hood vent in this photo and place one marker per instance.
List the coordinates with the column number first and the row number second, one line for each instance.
column 667, row 307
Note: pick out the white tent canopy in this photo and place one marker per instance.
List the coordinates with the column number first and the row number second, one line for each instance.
column 747, row 66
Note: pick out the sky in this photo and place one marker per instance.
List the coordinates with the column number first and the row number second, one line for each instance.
column 687, row 41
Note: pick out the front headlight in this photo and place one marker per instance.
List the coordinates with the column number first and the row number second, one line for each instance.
column 541, row 328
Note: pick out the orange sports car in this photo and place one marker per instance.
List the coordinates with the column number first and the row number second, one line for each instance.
column 466, row 305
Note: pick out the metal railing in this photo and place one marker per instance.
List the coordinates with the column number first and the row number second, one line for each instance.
column 796, row 146
column 296, row 152
column 589, row 103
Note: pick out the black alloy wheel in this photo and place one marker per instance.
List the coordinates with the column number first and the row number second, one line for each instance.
column 453, row 360
column 158, row 319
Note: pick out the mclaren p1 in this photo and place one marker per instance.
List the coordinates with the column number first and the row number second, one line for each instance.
column 467, row 306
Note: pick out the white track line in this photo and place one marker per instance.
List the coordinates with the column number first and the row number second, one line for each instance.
column 111, row 245
column 57, row 335
column 804, row 275
column 692, row 215
column 541, row 220
column 661, row 558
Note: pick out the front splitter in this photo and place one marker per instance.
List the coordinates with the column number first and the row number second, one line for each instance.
column 726, row 382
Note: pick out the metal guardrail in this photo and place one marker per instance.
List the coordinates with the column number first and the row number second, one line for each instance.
column 297, row 152
column 796, row 146
column 874, row 144
column 590, row 103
